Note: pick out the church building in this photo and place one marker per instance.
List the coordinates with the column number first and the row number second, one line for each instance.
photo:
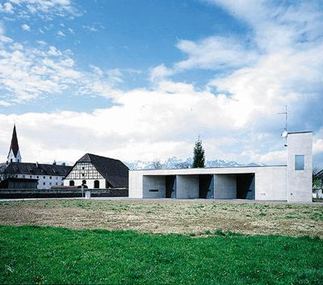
column 14, row 153
column 16, row 174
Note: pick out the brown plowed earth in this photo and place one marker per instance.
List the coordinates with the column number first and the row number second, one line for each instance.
column 197, row 217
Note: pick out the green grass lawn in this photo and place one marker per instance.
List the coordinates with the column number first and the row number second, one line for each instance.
column 56, row 255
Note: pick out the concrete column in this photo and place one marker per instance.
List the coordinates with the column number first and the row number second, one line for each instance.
column 299, row 167
column 187, row 186
column 225, row 186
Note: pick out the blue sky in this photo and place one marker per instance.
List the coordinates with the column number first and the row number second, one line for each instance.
column 142, row 79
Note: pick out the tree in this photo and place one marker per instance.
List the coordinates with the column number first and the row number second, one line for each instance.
column 157, row 164
column 199, row 158
column 316, row 181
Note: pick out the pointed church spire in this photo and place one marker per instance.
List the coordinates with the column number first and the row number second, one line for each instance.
column 14, row 153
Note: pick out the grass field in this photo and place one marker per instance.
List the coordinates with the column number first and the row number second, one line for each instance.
column 194, row 217
column 160, row 242
column 45, row 255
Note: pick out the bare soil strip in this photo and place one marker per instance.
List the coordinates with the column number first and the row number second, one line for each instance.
column 196, row 217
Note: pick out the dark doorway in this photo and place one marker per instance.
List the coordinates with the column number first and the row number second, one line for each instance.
column 96, row 184
column 246, row 186
column 206, row 186
column 170, row 186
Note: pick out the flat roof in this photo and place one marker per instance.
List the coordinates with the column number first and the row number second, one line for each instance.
column 210, row 168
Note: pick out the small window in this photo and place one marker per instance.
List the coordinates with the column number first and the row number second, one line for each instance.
column 72, row 183
column 43, row 183
column 50, row 177
column 37, row 177
column 31, row 176
column 43, row 177
column 153, row 190
column 299, row 162
column 83, row 174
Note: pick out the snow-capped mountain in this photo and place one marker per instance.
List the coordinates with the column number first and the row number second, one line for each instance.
column 174, row 162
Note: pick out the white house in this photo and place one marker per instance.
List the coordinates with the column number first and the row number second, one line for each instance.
column 94, row 171
column 46, row 175
column 291, row 182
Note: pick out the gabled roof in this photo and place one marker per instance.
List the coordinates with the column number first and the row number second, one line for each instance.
column 319, row 174
column 113, row 170
column 14, row 146
column 35, row 169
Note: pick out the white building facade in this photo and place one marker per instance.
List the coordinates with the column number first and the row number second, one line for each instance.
column 97, row 172
column 47, row 175
column 291, row 182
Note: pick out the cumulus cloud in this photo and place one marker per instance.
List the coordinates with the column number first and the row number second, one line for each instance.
column 144, row 124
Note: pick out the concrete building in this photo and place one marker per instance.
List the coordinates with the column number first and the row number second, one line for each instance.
column 94, row 171
column 291, row 182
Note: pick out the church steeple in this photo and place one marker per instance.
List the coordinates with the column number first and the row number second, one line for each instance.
column 14, row 153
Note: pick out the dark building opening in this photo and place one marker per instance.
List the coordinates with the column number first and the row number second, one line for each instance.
column 206, row 186
column 170, row 186
column 246, row 186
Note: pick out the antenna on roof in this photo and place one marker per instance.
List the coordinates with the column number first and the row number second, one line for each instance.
column 285, row 132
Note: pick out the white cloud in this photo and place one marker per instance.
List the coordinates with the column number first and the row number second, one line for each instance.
column 235, row 114
column 45, row 9
column 61, row 34
column 27, row 73
column 6, row 7
column 144, row 124
column 95, row 27
column 160, row 72
column 25, row 27
column 214, row 53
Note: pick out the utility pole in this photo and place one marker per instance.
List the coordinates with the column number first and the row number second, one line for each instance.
column 285, row 132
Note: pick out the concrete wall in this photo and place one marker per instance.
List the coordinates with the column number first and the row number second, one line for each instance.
column 299, row 182
column 271, row 184
column 154, row 187
column 136, row 184
column 225, row 186
column 187, row 186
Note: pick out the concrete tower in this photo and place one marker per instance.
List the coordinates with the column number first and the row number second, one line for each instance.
column 299, row 167
column 14, row 153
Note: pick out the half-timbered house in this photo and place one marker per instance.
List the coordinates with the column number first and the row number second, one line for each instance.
column 94, row 171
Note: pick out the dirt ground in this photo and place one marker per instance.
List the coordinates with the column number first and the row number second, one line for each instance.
column 194, row 217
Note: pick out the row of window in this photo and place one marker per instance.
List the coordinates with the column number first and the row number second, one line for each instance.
column 44, row 177
column 50, row 183
column 96, row 183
